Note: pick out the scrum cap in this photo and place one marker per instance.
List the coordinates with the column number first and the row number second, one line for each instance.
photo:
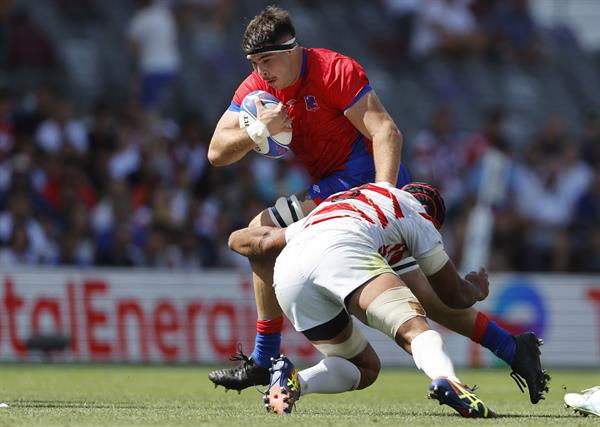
column 431, row 199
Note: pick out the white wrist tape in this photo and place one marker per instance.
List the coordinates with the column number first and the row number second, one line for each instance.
column 258, row 132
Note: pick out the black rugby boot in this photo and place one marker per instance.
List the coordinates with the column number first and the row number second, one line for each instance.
column 246, row 374
column 527, row 368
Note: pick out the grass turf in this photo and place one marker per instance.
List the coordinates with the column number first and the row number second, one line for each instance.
column 63, row 395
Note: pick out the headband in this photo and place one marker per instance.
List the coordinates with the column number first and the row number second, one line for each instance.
column 283, row 47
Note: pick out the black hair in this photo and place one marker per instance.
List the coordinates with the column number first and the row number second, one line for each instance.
column 268, row 28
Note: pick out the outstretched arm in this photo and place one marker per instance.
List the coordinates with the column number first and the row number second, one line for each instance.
column 256, row 242
column 457, row 292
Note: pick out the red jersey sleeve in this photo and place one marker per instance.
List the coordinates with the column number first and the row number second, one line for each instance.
column 347, row 82
column 250, row 84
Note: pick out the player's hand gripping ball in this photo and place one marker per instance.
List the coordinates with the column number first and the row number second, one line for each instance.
column 276, row 145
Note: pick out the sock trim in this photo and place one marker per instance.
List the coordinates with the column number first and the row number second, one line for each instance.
column 269, row 326
column 481, row 324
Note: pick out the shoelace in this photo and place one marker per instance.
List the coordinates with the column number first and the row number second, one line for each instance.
column 240, row 357
column 519, row 380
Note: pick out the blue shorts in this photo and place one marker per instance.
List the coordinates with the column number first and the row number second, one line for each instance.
column 153, row 85
column 359, row 169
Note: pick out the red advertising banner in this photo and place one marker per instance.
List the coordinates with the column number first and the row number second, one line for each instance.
column 138, row 316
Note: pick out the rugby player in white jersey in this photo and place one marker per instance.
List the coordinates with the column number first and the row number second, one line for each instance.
column 339, row 261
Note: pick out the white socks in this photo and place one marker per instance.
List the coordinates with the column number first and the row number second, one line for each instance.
column 330, row 375
column 430, row 357
column 336, row 375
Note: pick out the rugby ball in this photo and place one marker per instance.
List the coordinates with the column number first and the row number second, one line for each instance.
column 276, row 145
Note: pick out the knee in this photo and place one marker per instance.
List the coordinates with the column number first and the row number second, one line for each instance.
column 369, row 365
column 369, row 371
column 410, row 330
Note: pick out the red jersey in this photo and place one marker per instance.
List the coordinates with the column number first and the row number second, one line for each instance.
column 328, row 85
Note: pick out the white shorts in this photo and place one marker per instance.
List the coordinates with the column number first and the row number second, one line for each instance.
column 314, row 275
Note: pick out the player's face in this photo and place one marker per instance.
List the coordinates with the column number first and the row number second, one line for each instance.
column 275, row 68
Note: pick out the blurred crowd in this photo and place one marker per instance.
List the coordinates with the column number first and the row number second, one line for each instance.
column 124, row 181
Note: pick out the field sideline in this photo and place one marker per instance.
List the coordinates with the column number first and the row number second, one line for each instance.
column 99, row 395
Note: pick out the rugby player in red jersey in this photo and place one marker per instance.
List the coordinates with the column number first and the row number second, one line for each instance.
column 344, row 137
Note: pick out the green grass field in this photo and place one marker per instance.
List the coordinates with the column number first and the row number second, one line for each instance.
column 62, row 395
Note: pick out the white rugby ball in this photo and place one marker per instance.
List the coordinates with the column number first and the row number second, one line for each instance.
column 276, row 146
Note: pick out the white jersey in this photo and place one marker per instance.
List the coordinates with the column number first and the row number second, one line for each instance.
column 346, row 241
column 392, row 221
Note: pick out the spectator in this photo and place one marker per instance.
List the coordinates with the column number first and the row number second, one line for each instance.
column 546, row 191
column 20, row 216
column 590, row 141
column 17, row 249
column 586, row 227
column 446, row 27
column 7, row 128
column 514, row 33
column 28, row 48
column 152, row 33
column 62, row 132
column 439, row 156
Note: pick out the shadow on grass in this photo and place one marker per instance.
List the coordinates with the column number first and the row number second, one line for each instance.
column 451, row 415
column 499, row 416
column 77, row 404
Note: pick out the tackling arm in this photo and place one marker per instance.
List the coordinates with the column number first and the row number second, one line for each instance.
column 457, row 292
column 256, row 242
column 372, row 120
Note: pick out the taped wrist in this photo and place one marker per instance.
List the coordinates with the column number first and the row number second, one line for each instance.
column 258, row 132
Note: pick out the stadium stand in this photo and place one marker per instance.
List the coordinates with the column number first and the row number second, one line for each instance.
column 89, row 177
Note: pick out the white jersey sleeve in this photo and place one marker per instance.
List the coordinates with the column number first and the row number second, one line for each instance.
column 433, row 261
column 424, row 243
column 293, row 229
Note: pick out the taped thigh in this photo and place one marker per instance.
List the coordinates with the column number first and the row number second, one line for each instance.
column 392, row 308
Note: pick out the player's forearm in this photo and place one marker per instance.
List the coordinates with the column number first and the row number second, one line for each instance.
column 453, row 290
column 387, row 151
column 469, row 294
column 257, row 241
column 227, row 146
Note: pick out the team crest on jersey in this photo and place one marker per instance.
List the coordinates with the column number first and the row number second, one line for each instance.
column 311, row 103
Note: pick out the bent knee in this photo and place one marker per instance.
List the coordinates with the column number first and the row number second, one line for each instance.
column 369, row 366
column 369, row 373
